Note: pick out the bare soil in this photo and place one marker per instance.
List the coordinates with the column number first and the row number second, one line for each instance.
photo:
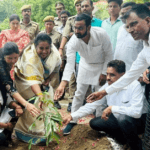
column 82, row 137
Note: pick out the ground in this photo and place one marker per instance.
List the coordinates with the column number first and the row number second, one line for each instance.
column 82, row 137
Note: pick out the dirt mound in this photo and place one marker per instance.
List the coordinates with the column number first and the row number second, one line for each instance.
column 82, row 137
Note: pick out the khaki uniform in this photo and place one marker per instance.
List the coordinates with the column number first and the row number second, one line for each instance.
column 55, row 36
column 57, row 22
column 69, row 27
column 32, row 28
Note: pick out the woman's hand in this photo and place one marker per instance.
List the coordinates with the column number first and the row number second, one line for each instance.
column 32, row 109
column 145, row 78
column 19, row 111
column 96, row 96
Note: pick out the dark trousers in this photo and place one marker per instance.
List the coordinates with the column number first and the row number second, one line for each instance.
column 5, row 135
column 124, row 128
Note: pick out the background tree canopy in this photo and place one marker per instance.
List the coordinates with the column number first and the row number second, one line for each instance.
column 43, row 8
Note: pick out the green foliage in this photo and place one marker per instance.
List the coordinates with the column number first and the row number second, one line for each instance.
column 52, row 121
column 102, row 13
column 40, row 9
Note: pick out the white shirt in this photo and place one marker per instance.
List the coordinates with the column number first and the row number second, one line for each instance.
column 127, row 49
column 129, row 101
column 138, row 67
column 5, row 117
column 94, row 56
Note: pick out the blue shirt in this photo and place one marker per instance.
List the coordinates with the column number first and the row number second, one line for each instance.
column 94, row 23
column 112, row 30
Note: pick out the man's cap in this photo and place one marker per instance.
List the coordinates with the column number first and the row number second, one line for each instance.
column 48, row 18
column 59, row 5
column 25, row 7
column 77, row 1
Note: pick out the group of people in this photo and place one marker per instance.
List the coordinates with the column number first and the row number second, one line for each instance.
column 88, row 53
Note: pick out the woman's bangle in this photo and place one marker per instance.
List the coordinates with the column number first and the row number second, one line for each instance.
column 38, row 94
column 61, row 48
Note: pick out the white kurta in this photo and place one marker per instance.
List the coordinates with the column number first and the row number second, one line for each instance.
column 138, row 67
column 94, row 56
column 127, row 49
column 129, row 101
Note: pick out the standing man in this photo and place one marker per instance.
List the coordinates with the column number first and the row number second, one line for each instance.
column 63, row 17
column 112, row 24
column 27, row 24
column 138, row 25
column 82, row 6
column 95, row 49
column 49, row 29
column 87, row 8
column 59, row 7
column 67, row 33
column 127, row 49
column 68, row 30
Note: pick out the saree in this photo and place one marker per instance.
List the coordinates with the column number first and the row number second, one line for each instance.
column 20, row 37
column 29, row 70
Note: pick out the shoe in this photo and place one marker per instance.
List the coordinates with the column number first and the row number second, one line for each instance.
column 68, row 128
column 69, row 107
column 57, row 105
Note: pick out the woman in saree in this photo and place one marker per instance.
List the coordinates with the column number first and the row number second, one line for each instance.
column 9, row 55
column 14, row 34
column 34, row 69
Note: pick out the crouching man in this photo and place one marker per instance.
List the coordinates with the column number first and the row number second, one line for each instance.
column 125, row 115
column 6, row 127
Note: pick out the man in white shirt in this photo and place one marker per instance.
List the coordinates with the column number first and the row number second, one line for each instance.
column 127, row 49
column 125, row 115
column 138, row 24
column 94, row 47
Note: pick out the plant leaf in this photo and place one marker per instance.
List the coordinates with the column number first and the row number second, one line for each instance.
column 56, row 137
column 31, row 99
column 30, row 144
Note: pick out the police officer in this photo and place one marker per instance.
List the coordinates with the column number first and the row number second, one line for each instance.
column 49, row 29
column 59, row 7
column 27, row 24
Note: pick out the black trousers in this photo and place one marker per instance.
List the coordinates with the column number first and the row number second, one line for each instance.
column 124, row 128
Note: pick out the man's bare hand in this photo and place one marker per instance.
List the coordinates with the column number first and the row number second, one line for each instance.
column 59, row 92
column 145, row 78
column 61, row 52
column 106, row 113
column 62, row 66
column 96, row 96
column 67, row 119
column 102, row 79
